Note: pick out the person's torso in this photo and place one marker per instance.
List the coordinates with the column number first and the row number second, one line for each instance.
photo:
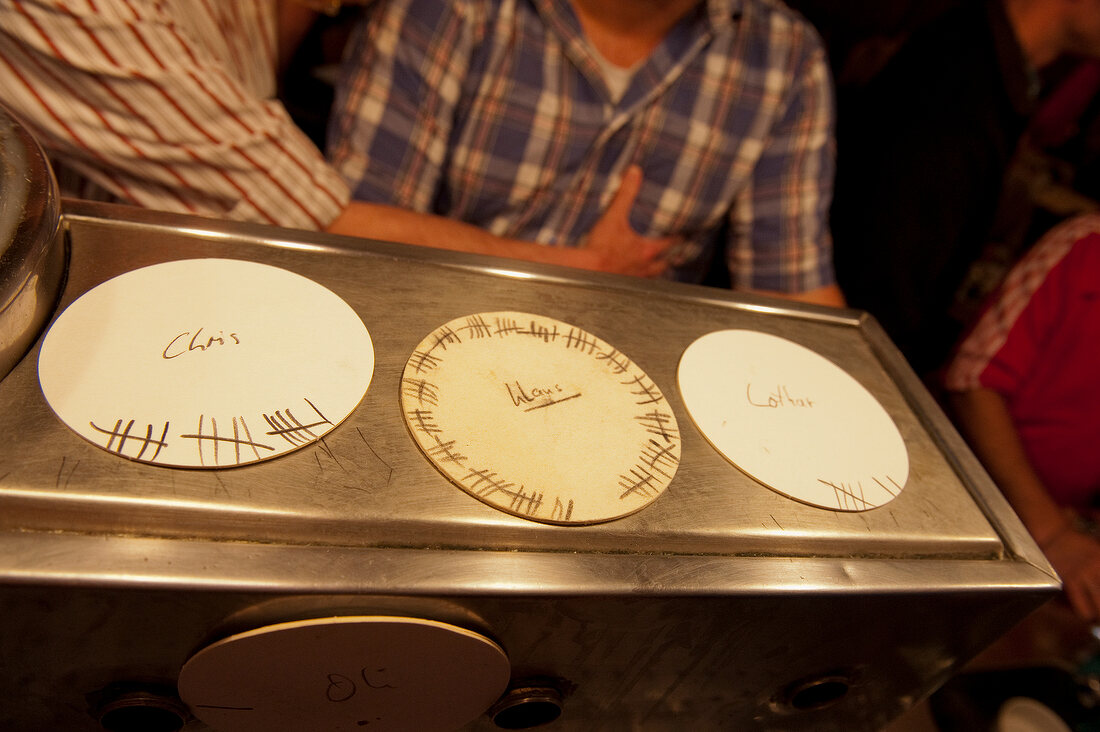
column 539, row 141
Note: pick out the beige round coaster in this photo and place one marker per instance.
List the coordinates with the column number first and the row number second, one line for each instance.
column 539, row 418
column 345, row 673
column 793, row 420
column 1024, row 714
column 205, row 363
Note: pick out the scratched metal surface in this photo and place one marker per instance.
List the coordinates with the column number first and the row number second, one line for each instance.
column 367, row 483
column 710, row 607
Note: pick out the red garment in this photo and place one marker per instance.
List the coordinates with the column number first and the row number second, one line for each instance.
column 1059, row 116
column 1038, row 345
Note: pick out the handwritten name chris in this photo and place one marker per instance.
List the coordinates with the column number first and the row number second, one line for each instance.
column 779, row 397
column 188, row 342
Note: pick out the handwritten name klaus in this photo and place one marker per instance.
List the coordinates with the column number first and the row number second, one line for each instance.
column 536, row 397
column 188, row 342
column 780, row 397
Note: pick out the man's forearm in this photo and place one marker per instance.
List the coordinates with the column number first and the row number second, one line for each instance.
column 987, row 424
column 390, row 223
column 613, row 247
column 829, row 295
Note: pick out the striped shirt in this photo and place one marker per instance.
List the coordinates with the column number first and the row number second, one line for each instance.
column 166, row 104
column 494, row 112
column 1038, row 345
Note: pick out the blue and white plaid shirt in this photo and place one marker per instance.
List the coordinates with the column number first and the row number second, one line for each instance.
column 495, row 112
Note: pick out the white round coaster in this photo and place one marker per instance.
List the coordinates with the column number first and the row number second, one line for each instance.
column 793, row 420
column 205, row 363
column 1024, row 714
column 345, row 673
column 539, row 418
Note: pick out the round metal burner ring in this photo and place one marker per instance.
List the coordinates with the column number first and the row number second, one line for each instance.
column 32, row 252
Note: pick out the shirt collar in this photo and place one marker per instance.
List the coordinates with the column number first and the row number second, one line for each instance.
column 723, row 12
column 705, row 20
column 720, row 13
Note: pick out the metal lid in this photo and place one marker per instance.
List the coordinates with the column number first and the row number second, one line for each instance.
column 31, row 249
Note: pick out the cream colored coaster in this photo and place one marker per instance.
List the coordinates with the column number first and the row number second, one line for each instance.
column 540, row 418
column 793, row 420
column 345, row 673
column 205, row 363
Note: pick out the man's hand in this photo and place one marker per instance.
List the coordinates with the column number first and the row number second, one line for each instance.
column 613, row 246
column 1076, row 558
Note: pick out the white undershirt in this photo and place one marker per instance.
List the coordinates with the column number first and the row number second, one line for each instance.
column 616, row 77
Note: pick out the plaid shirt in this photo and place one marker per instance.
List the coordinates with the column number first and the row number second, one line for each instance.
column 495, row 112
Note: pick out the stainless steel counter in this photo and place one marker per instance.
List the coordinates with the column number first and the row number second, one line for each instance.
column 722, row 605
